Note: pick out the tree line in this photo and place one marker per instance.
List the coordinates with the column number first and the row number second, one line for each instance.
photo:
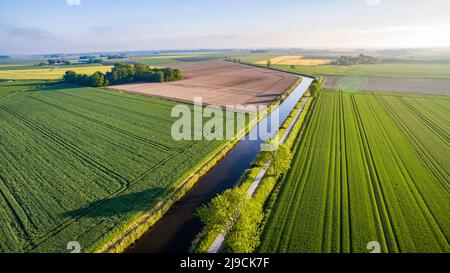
column 115, row 56
column 353, row 60
column 90, row 59
column 315, row 88
column 54, row 62
column 124, row 73
column 239, row 216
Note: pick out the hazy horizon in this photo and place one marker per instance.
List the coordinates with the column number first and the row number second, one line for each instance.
column 73, row 26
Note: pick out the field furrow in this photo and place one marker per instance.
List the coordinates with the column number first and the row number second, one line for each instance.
column 370, row 167
column 82, row 163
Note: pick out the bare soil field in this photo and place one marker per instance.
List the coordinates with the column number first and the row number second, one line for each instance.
column 219, row 83
column 383, row 84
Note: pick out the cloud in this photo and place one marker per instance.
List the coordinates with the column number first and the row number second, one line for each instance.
column 24, row 33
column 390, row 36
column 417, row 29
column 73, row 2
column 373, row 2
column 24, row 40
column 29, row 33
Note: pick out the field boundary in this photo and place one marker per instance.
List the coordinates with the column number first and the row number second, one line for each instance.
column 396, row 199
column 211, row 240
column 281, row 96
column 217, row 244
column 275, row 69
column 141, row 224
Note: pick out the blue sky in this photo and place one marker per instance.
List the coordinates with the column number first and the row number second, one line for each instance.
column 48, row 26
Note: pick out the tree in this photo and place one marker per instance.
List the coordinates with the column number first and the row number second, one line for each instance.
column 246, row 232
column 238, row 216
column 292, row 66
column 281, row 160
column 314, row 89
column 360, row 59
column 97, row 80
column 269, row 62
column 124, row 73
column 70, row 76
column 171, row 74
column 121, row 73
column 224, row 210
column 86, row 57
column 177, row 75
column 95, row 61
column 156, row 76
column 141, row 72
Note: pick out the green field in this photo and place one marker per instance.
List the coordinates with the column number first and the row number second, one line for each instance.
column 170, row 59
column 9, row 87
column 77, row 164
column 28, row 66
column 429, row 71
column 370, row 167
column 53, row 73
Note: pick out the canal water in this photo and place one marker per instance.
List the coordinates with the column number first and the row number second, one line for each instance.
column 177, row 229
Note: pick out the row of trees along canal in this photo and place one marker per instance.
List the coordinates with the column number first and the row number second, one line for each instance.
column 124, row 73
column 238, row 216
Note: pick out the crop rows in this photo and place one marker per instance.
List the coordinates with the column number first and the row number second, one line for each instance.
column 79, row 163
column 371, row 167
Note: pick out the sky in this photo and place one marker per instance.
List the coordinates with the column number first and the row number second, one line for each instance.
column 71, row 26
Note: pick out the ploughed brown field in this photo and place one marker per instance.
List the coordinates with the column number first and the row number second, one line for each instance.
column 219, row 83
column 382, row 84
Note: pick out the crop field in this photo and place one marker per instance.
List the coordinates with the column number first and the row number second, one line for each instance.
column 33, row 65
column 428, row 71
column 170, row 59
column 16, row 66
column 388, row 84
column 295, row 60
column 219, row 83
column 371, row 167
column 9, row 87
column 77, row 164
column 49, row 73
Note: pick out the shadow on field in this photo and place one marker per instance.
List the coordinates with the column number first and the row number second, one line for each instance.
column 122, row 204
column 268, row 95
column 269, row 101
column 35, row 85
column 52, row 86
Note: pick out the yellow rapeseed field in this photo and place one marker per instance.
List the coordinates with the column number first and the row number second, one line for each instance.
column 295, row 60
